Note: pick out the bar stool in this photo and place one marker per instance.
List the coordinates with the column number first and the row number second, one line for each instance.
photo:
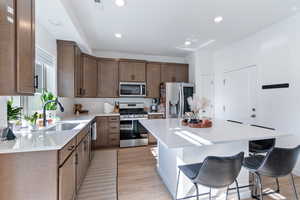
column 278, row 162
column 263, row 147
column 214, row 172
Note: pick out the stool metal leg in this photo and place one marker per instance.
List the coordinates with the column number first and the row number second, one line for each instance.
column 227, row 191
column 177, row 185
column 278, row 186
column 209, row 193
column 197, row 190
column 294, row 187
column 237, row 190
column 260, row 186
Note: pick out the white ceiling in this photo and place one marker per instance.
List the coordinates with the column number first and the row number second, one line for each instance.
column 158, row 27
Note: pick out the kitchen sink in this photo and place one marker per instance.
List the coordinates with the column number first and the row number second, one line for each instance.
column 63, row 127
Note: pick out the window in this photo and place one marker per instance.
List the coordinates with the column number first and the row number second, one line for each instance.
column 44, row 80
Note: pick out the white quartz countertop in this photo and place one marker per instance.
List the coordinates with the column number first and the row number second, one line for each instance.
column 172, row 134
column 30, row 141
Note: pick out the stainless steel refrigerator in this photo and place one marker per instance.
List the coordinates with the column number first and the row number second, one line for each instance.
column 174, row 97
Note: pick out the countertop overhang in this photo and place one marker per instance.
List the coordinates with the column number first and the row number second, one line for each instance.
column 172, row 134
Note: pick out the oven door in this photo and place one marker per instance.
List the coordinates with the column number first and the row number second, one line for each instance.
column 132, row 89
column 132, row 134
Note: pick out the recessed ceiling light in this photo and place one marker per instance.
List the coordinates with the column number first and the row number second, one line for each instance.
column 187, row 43
column 118, row 35
column 120, row 3
column 218, row 19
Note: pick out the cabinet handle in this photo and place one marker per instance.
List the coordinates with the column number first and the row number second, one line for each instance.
column 132, row 77
column 71, row 147
column 76, row 159
column 36, row 84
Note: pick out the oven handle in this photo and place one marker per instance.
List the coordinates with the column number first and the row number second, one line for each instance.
column 133, row 119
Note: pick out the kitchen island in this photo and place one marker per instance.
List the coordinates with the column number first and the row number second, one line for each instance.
column 179, row 145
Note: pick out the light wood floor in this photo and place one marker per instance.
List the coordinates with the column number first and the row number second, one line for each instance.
column 101, row 179
column 138, row 180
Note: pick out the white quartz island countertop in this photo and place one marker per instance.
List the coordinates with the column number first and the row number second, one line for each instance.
column 30, row 141
column 172, row 134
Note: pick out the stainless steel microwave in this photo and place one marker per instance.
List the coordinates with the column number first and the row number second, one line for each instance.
column 130, row 89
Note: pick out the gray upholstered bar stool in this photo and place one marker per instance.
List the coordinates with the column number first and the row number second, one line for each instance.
column 214, row 172
column 278, row 162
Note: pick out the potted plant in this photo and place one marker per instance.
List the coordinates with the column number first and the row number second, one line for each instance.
column 32, row 121
column 51, row 107
column 13, row 114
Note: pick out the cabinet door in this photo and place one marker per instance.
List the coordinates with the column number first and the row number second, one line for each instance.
column 102, row 133
column 168, row 73
column 182, row 73
column 66, row 68
column 78, row 72
column 153, row 80
column 80, row 165
column 89, row 71
column 130, row 71
column 108, row 75
column 67, row 179
column 7, row 49
column 25, row 43
column 172, row 72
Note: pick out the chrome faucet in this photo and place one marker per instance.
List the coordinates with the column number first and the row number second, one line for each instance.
column 44, row 109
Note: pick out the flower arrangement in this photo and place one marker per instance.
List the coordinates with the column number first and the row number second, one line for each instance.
column 198, row 104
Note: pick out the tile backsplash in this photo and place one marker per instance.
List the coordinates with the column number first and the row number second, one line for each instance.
column 95, row 106
column 3, row 112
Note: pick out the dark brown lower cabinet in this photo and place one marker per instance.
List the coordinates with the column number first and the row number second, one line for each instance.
column 67, row 179
column 46, row 175
column 108, row 132
column 83, row 159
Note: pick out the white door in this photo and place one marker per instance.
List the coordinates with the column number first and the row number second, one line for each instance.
column 240, row 90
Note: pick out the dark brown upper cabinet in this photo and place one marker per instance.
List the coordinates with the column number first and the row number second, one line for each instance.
column 173, row 72
column 17, row 47
column 89, row 76
column 69, row 69
column 132, row 71
column 153, row 79
column 108, row 78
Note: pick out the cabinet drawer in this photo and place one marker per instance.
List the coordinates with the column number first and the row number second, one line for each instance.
column 158, row 116
column 113, row 119
column 114, row 139
column 67, row 150
column 82, row 134
column 114, row 130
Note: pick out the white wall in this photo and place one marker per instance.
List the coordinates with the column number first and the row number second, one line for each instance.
column 276, row 52
column 153, row 58
column 3, row 116
column 47, row 42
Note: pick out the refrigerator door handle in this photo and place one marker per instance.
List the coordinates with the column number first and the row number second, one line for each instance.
column 179, row 112
column 181, row 102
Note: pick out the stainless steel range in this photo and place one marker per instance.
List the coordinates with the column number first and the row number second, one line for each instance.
column 132, row 133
